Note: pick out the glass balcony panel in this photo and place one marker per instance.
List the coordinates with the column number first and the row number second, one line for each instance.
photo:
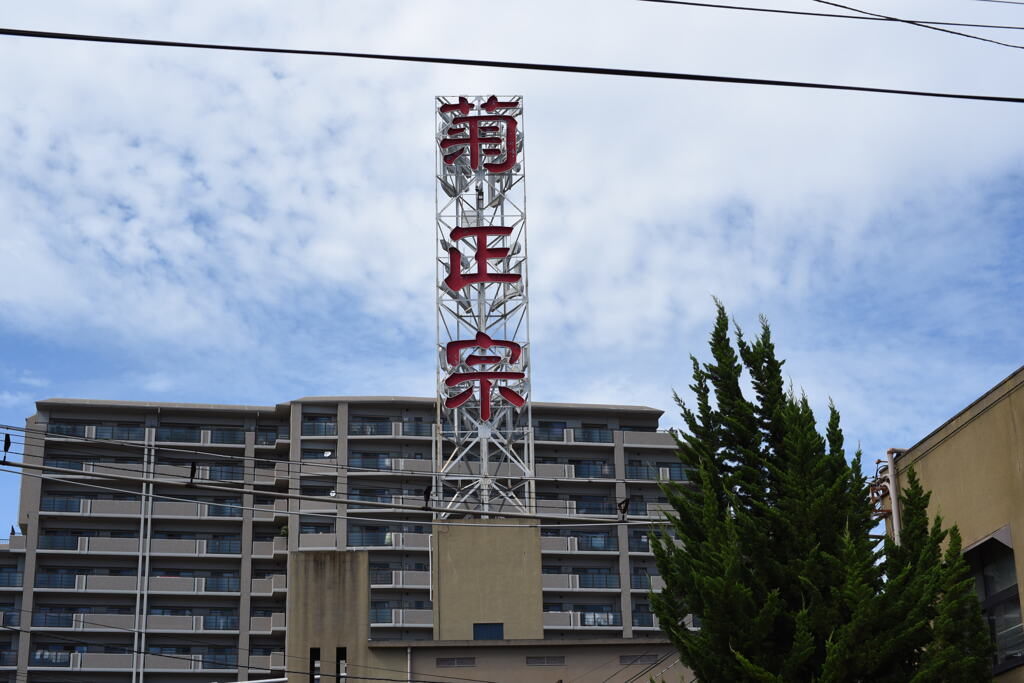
column 266, row 438
column 56, row 580
column 369, row 428
column 381, row 615
column 320, row 429
column 600, row 619
column 179, row 434
column 371, row 462
column 592, row 507
column 641, row 472
column 593, row 435
column 60, row 504
column 220, row 661
column 381, row 577
column 58, row 542
column 220, row 622
column 227, row 472
column 643, row 619
column 66, row 464
column 10, row 579
column 53, row 619
column 417, row 429
column 589, row 470
column 223, row 584
column 227, row 436
column 224, row 545
column 597, row 543
column 120, row 433
column 63, row 429
column 598, row 580
column 549, row 434
column 12, row 619
column 8, row 657
column 227, row 510
column 640, row 581
column 50, row 658
column 640, row 545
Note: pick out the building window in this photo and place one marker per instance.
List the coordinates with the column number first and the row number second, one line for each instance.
column 545, row 661
column 626, row 660
column 443, row 662
column 996, row 583
column 488, row 631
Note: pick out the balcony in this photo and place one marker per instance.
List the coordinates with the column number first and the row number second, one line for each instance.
column 270, row 548
column 580, row 581
column 639, row 545
column 233, row 437
column 320, row 429
column 11, row 579
column 549, row 434
column 270, row 585
column 178, row 434
column 275, row 622
column 120, row 433
column 220, row 622
column 265, row 512
column 370, row 429
column 402, row 617
column 593, row 435
column 593, row 471
column 264, row 663
column 643, row 472
column 573, row 620
column 417, row 429
column 60, row 504
column 227, row 472
column 222, row 584
column 390, row 539
column 224, row 546
column 50, row 658
column 327, row 540
column 394, row 578
column 8, row 658
column 11, row 619
column 225, row 509
column 64, row 429
column 52, row 619
column 644, row 620
column 592, row 507
column 266, row 437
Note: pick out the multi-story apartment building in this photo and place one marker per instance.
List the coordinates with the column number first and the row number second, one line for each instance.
column 115, row 580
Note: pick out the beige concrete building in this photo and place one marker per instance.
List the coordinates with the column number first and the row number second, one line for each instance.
column 115, row 580
column 974, row 467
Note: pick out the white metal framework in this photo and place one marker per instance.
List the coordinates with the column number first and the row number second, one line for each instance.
column 483, row 446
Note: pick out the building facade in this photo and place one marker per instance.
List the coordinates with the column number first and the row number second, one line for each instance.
column 127, row 569
column 974, row 467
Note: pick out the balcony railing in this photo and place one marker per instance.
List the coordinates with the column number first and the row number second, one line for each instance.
column 227, row 472
column 600, row 619
column 417, row 429
column 593, row 507
column 220, row 622
column 220, row 661
column 8, row 658
column 598, row 580
column 50, row 658
column 227, row 436
column 371, row 462
column 56, row 580
column 10, row 579
column 372, row 498
column 60, row 504
column 640, row 545
column 641, row 472
column 638, row 507
column 58, row 542
column 640, row 581
column 593, row 435
column 179, row 434
column 224, row 545
column 381, row 577
column 369, row 428
column 119, row 433
column 223, row 584
column 590, row 470
column 53, row 619
column 678, row 472
column 597, row 543
column 381, row 615
column 374, row 538
column 266, row 438
column 224, row 510
column 320, row 429
column 66, row 464
column 63, row 429
column 12, row 619
column 643, row 619
column 549, row 434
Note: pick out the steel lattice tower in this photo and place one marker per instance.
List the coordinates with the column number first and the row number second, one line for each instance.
column 483, row 445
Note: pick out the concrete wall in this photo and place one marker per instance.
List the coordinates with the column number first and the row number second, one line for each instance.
column 328, row 608
column 487, row 574
column 974, row 467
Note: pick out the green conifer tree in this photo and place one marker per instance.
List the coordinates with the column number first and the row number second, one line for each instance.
column 770, row 546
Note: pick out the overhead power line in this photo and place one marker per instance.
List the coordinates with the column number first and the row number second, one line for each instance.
column 922, row 25
column 525, row 66
column 1004, row 2
column 772, row 10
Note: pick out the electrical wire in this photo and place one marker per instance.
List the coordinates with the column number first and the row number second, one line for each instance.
column 588, row 522
column 126, row 650
column 40, row 439
column 182, row 638
column 917, row 23
column 1004, row 2
column 826, row 14
column 526, row 66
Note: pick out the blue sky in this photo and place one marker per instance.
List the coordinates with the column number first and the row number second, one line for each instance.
column 193, row 226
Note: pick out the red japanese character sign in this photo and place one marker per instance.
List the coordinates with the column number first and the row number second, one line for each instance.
column 485, row 136
column 453, row 352
column 456, row 279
